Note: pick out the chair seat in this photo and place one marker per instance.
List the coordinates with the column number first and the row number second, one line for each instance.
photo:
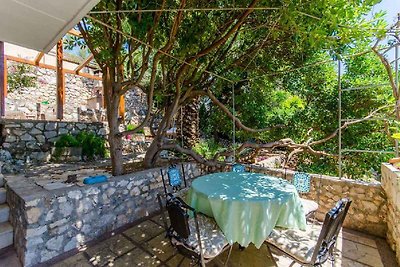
column 213, row 240
column 309, row 206
column 296, row 243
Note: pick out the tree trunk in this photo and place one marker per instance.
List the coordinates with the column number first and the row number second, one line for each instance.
column 152, row 153
column 112, row 103
column 188, row 123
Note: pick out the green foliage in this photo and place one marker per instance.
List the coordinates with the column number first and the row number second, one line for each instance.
column 67, row 140
column 130, row 127
column 208, row 148
column 92, row 145
column 255, row 53
column 20, row 76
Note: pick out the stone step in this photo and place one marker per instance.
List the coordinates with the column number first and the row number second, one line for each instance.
column 3, row 192
column 2, row 181
column 6, row 235
column 4, row 212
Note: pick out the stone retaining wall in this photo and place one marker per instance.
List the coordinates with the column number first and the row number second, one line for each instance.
column 368, row 210
column 77, row 89
column 34, row 138
column 391, row 185
column 49, row 223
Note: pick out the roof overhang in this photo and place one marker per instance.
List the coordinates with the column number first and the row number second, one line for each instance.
column 40, row 24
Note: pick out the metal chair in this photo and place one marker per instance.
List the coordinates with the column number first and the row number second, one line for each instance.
column 237, row 167
column 302, row 182
column 176, row 179
column 310, row 248
column 197, row 237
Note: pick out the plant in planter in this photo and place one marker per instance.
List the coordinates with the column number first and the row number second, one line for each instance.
column 93, row 146
column 84, row 144
column 67, row 148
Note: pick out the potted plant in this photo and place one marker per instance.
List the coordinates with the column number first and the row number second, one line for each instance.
column 67, row 148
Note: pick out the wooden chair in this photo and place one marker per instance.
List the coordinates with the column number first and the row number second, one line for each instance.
column 302, row 182
column 197, row 237
column 310, row 248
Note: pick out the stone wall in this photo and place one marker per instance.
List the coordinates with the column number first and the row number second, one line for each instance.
column 368, row 210
column 391, row 185
column 49, row 223
column 135, row 106
column 24, row 100
column 34, row 138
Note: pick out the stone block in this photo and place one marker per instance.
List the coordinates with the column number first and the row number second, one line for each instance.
column 51, row 126
column 27, row 137
column 50, row 134
column 33, row 215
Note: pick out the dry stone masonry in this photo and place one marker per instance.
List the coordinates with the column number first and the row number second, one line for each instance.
column 32, row 140
column 78, row 90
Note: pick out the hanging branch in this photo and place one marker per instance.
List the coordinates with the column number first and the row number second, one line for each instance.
column 295, row 148
column 388, row 68
column 238, row 123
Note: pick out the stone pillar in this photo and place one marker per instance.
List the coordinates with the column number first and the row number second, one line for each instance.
column 391, row 185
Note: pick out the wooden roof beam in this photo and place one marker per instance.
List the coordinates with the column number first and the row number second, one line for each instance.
column 83, row 64
column 38, row 58
column 46, row 66
column 75, row 33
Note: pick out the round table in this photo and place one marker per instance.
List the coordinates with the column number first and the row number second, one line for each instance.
column 247, row 206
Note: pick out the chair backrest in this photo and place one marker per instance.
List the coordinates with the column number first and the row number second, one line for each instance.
column 302, row 182
column 176, row 179
column 238, row 167
column 330, row 230
column 179, row 217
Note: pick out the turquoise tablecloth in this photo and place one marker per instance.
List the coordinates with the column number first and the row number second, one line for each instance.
column 247, row 206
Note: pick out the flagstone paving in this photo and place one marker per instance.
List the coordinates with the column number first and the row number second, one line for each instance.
column 144, row 244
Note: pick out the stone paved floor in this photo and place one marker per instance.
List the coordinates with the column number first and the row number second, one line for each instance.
column 145, row 245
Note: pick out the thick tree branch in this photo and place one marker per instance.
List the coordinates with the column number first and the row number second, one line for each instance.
column 238, row 123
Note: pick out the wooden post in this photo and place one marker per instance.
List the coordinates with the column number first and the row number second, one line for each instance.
column 122, row 107
column 60, row 81
column 3, row 80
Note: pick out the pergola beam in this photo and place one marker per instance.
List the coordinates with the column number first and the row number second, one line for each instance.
column 51, row 67
column 60, row 81
column 75, row 33
column 83, row 64
column 38, row 58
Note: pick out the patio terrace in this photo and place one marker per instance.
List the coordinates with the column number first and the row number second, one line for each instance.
column 143, row 243
column 141, row 240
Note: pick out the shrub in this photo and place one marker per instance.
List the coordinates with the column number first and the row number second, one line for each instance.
column 67, row 140
column 92, row 145
column 208, row 148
